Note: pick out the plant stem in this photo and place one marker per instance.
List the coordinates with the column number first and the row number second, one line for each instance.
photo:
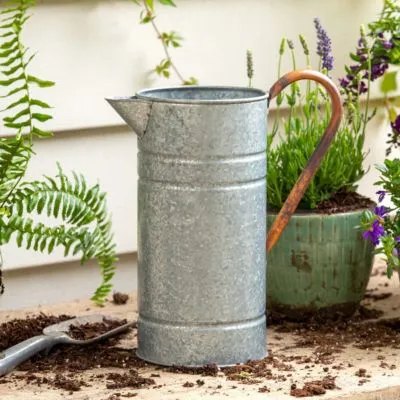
column 368, row 93
column 165, row 47
column 276, row 120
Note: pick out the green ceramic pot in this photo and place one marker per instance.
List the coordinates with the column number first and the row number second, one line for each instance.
column 320, row 266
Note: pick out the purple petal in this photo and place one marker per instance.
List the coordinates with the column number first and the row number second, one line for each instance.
column 381, row 194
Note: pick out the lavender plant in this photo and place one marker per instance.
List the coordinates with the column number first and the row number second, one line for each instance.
column 309, row 115
column 378, row 50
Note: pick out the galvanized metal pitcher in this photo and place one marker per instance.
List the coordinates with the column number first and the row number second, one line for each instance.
column 202, row 218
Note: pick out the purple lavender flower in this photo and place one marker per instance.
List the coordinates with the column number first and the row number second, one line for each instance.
column 374, row 233
column 378, row 70
column 381, row 194
column 380, row 211
column 344, row 82
column 397, row 239
column 324, row 45
column 362, row 88
column 387, row 44
column 396, row 124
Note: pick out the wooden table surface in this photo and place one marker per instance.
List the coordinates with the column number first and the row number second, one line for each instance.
column 383, row 384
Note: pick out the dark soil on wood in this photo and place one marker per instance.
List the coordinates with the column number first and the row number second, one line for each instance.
column 18, row 330
column 120, row 298
column 89, row 331
column 62, row 367
column 344, row 201
column 314, row 388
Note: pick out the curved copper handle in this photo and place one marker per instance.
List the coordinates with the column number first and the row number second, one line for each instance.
column 291, row 203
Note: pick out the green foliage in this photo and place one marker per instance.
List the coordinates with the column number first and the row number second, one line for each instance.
column 24, row 113
column 79, row 210
column 298, row 136
column 389, row 82
column 341, row 167
column 168, row 40
column 389, row 240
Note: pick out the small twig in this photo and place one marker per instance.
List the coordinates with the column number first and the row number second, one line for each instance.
column 165, row 47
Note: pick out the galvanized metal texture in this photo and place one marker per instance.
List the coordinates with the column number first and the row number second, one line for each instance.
column 202, row 221
column 306, row 176
column 201, row 225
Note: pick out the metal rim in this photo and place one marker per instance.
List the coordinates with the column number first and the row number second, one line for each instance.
column 148, row 94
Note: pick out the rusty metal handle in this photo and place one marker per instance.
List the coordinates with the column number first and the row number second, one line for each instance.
column 291, row 203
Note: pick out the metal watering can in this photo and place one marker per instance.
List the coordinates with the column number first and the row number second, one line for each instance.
column 202, row 218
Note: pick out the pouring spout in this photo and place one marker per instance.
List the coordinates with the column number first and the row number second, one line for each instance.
column 133, row 111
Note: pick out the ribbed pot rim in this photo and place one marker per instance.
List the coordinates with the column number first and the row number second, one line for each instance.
column 308, row 213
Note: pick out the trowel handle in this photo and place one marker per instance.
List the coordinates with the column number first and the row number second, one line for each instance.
column 19, row 353
column 308, row 173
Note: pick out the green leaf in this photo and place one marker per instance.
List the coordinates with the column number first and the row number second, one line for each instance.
column 41, row 83
column 392, row 114
column 17, row 116
column 167, row 3
column 41, row 117
column 22, row 100
column 6, row 53
column 13, row 91
column 9, row 44
column 12, row 70
column 7, row 34
column 150, row 4
column 12, row 80
column 39, row 103
column 389, row 82
column 40, row 133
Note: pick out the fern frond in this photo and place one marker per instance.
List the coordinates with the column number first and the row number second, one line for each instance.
column 14, row 158
column 24, row 112
column 80, row 206
column 37, row 236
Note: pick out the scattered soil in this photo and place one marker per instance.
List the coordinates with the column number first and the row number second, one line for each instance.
column 343, row 201
column 132, row 379
column 377, row 297
column 314, row 388
column 206, row 370
column 18, row 330
column 118, row 396
column 255, row 371
column 91, row 330
column 62, row 366
column 63, row 362
column 120, row 298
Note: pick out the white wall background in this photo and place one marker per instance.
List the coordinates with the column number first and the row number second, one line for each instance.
column 94, row 49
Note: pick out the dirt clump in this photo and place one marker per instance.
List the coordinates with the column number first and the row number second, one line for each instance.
column 91, row 330
column 131, row 379
column 254, row 371
column 120, row 298
column 68, row 384
column 206, row 370
column 314, row 388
